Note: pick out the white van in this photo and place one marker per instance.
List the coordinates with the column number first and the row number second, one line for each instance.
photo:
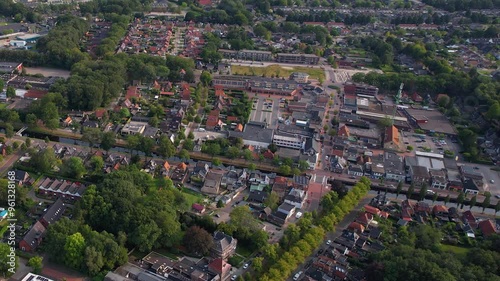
column 297, row 275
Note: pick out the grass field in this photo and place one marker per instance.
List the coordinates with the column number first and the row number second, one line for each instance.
column 277, row 70
column 191, row 196
column 459, row 251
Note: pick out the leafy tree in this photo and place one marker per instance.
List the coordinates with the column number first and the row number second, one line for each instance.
column 435, row 197
column 9, row 130
column 92, row 136
column 220, row 204
column 399, row 187
column 73, row 168
column 232, row 152
column 133, row 142
column 205, row 78
column 96, row 163
column 11, row 92
column 28, row 142
column 257, row 264
column 497, row 207
column 165, row 147
column 285, row 170
column 5, row 267
column 74, row 250
column 184, row 154
column 252, row 167
column 460, row 199
column 36, row 263
column 486, row 201
column 272, row 200
column 473, row 202
column 44, row 161
column 216, row 162
column 197, row 240
column 273, row 148
column 447, row 199
column 108, row 141
column 423, row 191
column 411, row 189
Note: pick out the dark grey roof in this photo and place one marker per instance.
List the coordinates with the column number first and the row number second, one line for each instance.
column 21, row 175
column 254, row 132
column 286, row 207
column 55, row 212
column 222, row 241
column 302, row 180
column 257, row 196
column 36, row 232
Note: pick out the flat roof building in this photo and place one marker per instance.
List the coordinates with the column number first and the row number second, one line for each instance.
column 430, row 121
column 134, row 128
column 297, row 58
column 255, row 134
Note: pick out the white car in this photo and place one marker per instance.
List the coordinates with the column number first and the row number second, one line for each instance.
column 234, row 278
column 297, row 275
column 328, row 242
column 298, row 215
column 245, row 266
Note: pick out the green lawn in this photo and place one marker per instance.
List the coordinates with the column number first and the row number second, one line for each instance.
column 277, row 70
column 459, row 251
column 387, row 68
column 3, row 105
column 192, row 196
column 243, row 251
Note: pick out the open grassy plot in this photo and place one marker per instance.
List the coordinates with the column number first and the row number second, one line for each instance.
column 457, row 250
column 277, row 70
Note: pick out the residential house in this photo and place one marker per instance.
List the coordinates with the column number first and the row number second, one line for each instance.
column 33, row 238
column 337, row 164
column 438, row 179
column 394, row 167
column 259, row 178
column 470, row 186
column 212, row 183
column 372, row 210
column 224, row 245
column 53, row 214
column 296, row 197
column 300, row 182
column 67, row 121
column 234, row 178
column 355, row 170
column 356, row 227
column 213, row 120
column 257, row 196
column 287, row 209
column 441, row 212
column 365, row 219
column 487, row 227
column 198, row 208
column 21, row 177
column 199, row 173
column 469, row 219
column 407, row 210
column 281, row 187
column 179, row 174
column 419, row 175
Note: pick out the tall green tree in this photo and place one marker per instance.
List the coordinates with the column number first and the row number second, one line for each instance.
column 36, row 263
column 74, row 250
column 423, row 192
column 73, row 167
column 460, row 199
column 108, row 141
column 399, row 187
column 473, row 201
column 486, row 201
column 410, row 191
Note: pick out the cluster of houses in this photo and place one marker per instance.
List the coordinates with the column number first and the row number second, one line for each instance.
column 430, row 169
column 149, row 36
column 156, row 267
column 358, row 239
column 421, row 212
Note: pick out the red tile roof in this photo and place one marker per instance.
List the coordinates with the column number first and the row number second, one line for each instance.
column 372, row 210
column 343, row 131
column 35, row 94
column 356, row 227
column 487, row 228
column 439, row 209
column 132, row 92
column 198, row 207
column 392, row 135
column 99, row 113
column 219, row 265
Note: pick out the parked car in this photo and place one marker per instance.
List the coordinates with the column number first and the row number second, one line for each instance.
column 245, row 266
column 233, row 278
column 328, row 242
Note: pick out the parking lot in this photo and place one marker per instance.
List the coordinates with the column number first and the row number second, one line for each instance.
column 434, row 144
column 489, row 175
column 265, row 109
